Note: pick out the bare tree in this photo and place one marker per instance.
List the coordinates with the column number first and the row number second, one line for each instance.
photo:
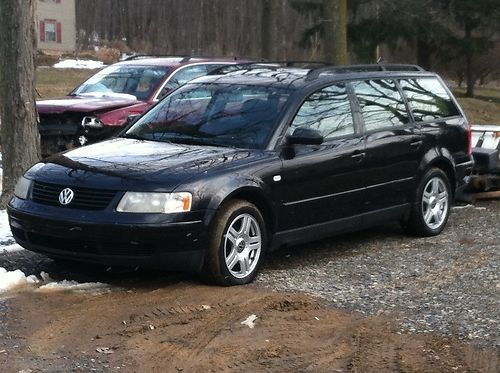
column 20, row 137
column 335, row 31
column 269, row 29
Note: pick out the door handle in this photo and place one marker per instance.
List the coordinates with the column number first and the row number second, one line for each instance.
column 358, row 156
column 416, row 144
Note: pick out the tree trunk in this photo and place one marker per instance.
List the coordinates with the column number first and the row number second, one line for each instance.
column 424, row 52
column 335, row 31
column 20, row 137
column 269, row 41
column 469, row 69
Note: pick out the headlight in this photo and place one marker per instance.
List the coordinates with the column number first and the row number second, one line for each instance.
column 22, row 188
column 155, row 202
column 91, row 122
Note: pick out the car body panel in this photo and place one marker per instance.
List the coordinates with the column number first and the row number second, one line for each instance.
column 82, row 104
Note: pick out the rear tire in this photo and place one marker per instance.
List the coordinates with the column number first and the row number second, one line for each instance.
column 432, row 205
column 237, row 243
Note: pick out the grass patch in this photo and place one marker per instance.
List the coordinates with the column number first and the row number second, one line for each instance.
column 484, row 108
column 51, row 82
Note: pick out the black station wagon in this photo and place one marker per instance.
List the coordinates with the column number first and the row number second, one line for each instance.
column 239, row 163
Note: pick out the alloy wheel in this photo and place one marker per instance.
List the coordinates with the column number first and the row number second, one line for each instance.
column 242, row 245
column 435, row 203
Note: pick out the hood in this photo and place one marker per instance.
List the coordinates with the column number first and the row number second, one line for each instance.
column 84, row 104
column 128, row 164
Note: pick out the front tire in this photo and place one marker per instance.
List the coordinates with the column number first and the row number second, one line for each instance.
column 432, row 205
column 237, row 243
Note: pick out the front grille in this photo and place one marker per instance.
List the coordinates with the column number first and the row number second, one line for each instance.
column 67, row 123
column 84, row 198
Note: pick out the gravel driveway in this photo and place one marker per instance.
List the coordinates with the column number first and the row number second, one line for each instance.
column 447, row 284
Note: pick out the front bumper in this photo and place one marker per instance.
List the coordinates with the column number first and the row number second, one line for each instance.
column 168, row 245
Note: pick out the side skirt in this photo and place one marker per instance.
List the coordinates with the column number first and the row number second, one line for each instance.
column 353, row 223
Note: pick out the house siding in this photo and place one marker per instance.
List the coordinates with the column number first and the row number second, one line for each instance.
column 56, row 25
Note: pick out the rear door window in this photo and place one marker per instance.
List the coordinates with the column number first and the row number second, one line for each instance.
column 328, row 111
column 186, row 74
column 381, row 104
column 428, row 99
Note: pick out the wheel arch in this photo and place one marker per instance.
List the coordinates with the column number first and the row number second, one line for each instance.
column 252, row 194
column 443, row 160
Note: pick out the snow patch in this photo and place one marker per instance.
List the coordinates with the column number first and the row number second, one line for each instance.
column 9, row 248
column 5, row 233
column 72, row 285
column 250, row 321
column 79, row 64
column 468, row 207
column 17, row 280
column 10, row 280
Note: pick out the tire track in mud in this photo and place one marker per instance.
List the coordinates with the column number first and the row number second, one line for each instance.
column 217, row 321
column 198, row 329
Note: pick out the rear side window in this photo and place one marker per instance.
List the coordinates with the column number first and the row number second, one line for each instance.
column 328, row 111
column 381, row 104
column 428, row 99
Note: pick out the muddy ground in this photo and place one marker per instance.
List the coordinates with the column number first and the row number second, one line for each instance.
column 184, row 326
column 385, row 302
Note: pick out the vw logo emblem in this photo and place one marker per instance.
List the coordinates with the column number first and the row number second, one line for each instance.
column 66, row 196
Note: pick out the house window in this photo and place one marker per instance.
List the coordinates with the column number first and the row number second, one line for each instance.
column 50, row 31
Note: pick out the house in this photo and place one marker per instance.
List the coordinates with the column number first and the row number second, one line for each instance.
column 56, row 26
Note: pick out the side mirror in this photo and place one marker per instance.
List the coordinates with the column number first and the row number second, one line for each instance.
column 305, row 136
column 132, row 118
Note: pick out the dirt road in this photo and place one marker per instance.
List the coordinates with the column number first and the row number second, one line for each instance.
column 388, row 303
column 184, row 326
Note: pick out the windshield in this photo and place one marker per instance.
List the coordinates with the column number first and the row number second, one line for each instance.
column 138, row 82
column 241, row 116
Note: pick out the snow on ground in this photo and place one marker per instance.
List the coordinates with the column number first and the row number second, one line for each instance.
column 73, row 285
column 6, row 239
column 17, row 280
column 79, row 64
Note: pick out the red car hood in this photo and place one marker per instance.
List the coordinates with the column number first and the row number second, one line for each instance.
column 84, row 104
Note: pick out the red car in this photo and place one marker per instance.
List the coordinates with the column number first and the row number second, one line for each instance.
column 100, row 107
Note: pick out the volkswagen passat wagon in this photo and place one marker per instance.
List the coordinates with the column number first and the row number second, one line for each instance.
column 234, row 165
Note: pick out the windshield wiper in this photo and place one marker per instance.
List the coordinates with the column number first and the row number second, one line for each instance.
column 132, row 136
column 193, row 141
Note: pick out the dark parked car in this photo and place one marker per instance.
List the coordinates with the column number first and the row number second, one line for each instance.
column 100, row 106
column 232, row 166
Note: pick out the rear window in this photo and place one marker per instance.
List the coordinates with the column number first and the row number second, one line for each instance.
column 428, row 99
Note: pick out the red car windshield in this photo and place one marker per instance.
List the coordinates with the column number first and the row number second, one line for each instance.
column 134, row 82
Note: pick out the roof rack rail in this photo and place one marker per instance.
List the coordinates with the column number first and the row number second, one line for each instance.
column 184, row 58
column 315, row 73
column 272, row 65
column 139, row 56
